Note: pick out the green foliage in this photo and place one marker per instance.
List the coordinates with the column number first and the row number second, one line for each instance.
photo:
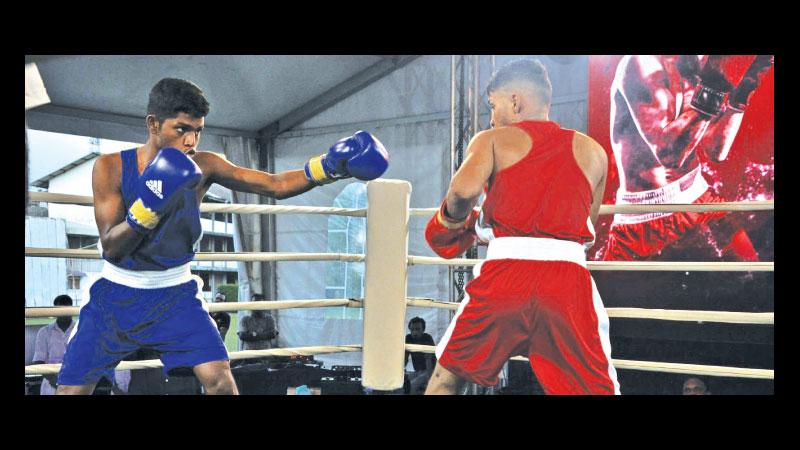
column 231, row 292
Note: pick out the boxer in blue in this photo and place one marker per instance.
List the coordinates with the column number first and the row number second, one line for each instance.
column 147, row 212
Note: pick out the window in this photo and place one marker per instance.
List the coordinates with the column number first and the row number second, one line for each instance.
column 82, row 242
column 346, row 235
column 73, row 282
column 206, row 281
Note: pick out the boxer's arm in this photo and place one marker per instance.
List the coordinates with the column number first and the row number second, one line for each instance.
column 599, row 189
column 593, row 161
column 722, row 131
column 653, row 106
column 116, row 236
column 468, row 182
column 221, row 171
column 718, row 138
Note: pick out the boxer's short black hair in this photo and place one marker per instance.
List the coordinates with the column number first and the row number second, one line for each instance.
column 527, row 70
column 172, row 96
column 417, row 320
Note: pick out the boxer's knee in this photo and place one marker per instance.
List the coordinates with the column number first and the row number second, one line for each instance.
column 216, row 378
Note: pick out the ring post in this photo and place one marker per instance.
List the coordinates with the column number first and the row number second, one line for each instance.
column 385, row 284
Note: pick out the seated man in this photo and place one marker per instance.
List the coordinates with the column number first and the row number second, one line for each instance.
column 423, row 363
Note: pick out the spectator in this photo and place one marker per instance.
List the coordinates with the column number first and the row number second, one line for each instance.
column 258, row 329
column 51, row 343
column 423, row 363
column 221, row 318
column 695, row 386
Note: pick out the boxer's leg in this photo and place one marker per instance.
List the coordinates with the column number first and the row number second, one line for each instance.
column 444, row 382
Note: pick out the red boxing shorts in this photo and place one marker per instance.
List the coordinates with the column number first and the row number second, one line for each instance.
column 638, row 236
column 532, row 297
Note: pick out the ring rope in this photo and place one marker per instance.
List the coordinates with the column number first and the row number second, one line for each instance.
column 677, row 266
column 49, row 369
column 426, row 260
column 736, row 372
column 236, row 208
column 61, row 311
column 765, row 205
column 628, row 313
column 651, row 366
column 41, row 252
column 641, row 313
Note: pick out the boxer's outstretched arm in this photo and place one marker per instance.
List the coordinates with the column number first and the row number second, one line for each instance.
column 722, row 131
column 468, row 182
column 116, row 236
column 217, row 169
column 653, row 105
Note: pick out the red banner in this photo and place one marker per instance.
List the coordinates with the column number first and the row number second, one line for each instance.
column 651, row 117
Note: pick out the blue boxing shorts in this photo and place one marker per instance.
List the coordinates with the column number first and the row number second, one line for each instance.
column 128, row 310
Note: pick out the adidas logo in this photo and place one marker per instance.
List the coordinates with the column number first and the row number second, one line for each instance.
column 155, row 187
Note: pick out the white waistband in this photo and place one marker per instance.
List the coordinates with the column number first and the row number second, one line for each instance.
column 686, row 189
column 539, row 249
column 147, row 279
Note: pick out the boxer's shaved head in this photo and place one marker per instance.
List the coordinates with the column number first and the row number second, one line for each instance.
column 528, row 75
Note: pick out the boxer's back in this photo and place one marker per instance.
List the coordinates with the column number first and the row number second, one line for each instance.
column 542, row 192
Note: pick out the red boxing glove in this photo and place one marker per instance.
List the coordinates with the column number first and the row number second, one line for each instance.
column 450, row 238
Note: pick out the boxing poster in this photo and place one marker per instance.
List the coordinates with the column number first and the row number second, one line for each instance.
column 684, row 129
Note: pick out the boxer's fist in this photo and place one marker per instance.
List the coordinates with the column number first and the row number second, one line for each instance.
column 450, row 238
column 361, row 155
column 162, row 182
column 709, row 94
column 740, row 95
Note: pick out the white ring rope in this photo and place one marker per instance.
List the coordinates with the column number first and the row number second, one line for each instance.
column 627, row 313
column 236, row 208
column 641, row 313
column 426, row 260
column 60, row 311
column 766, row 205
column 625, row 265
column 720, row 371
column 652, row 366
column 205, row 256
column 50, row 369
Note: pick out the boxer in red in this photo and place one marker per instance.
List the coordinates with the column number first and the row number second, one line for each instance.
column 533, row 295
column 665, row 110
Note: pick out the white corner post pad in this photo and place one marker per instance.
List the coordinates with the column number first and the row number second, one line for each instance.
column 35, row 93
column 385, row 285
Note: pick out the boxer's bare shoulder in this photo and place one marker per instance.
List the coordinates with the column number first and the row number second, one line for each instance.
column 107, row 173
column 590, row 156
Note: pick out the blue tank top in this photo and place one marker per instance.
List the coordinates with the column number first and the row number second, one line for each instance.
column 171, row 243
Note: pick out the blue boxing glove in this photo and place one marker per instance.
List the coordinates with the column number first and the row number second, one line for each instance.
column 361, row 156
column 163, row 181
